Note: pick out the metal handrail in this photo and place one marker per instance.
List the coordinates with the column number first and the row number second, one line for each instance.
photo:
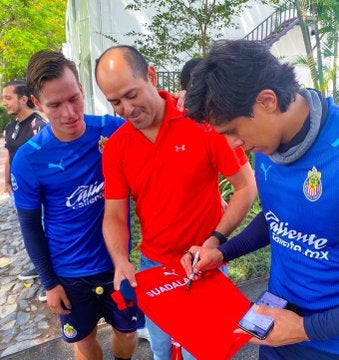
column 169, row 80
column 276, row 25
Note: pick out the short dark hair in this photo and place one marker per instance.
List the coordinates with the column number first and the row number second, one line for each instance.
column 228, row 80
column 186, row 72
column 47, row 65
column 133, row 57
column 21, row 89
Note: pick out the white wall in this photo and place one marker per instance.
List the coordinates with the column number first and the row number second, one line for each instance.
column 288, row 48
column 87, row 20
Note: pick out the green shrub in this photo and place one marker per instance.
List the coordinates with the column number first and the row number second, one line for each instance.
column 4, row 118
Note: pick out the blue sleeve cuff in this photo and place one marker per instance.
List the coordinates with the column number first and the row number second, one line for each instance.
column 323, row 325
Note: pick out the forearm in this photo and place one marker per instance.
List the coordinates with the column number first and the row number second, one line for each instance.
column 323, row 325
column 253, row 237
column 240, row 202
column 116, row 232
column 37, row 246
column 116, row 239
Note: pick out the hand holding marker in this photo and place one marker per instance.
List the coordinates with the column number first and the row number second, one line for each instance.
column 191, row 277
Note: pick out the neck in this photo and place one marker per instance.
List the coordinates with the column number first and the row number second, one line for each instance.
column 24, row 114
column 152, row 131
column 295, row 117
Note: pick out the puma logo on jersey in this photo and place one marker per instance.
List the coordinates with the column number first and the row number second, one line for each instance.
column 56, row 165
column 170, row 272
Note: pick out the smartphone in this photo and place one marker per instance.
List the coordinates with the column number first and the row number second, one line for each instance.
column 261, row 325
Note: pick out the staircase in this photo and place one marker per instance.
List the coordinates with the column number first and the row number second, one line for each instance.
column 276, row 25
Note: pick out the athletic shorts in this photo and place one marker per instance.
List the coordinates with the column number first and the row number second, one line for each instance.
column 91, row 300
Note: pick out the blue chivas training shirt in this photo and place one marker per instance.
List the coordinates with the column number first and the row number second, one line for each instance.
column 66, row 178
column 301, row 206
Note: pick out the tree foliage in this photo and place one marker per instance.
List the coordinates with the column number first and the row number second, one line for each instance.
column 185, row 27
column 320, row 19
column 27, row 26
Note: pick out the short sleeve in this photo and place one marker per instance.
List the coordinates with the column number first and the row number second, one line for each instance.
column 116, row 186
column 27, row 192
column 227, row 160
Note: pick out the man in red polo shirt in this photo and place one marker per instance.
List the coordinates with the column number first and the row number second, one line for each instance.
column 171, row 166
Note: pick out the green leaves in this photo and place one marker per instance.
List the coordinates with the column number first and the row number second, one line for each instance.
column 27, row 26
column 182, row 28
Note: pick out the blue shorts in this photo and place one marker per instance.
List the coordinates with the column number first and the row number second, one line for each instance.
column 91, row 300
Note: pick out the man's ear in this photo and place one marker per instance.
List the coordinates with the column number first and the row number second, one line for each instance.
column 82, row 89
column 36, row 103
column 24, row 99
column 152, row 75
column 268, row 100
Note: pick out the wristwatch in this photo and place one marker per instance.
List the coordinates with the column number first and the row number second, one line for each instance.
column 221, row 237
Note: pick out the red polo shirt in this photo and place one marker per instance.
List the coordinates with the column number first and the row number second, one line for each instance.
column 174, row 180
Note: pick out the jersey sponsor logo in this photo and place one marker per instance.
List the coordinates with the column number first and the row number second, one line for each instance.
column 85, row 195
column 312, row 185
column 69, row 331
column 296, row 240
column 14, row 183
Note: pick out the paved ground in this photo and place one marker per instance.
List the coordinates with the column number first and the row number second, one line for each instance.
column 2, row 167
column 28, row 329
column 56, row 348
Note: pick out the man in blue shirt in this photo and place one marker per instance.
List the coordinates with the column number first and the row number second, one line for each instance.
column 60, row 168
column 248, row 95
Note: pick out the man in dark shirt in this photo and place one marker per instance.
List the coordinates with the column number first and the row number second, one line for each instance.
column 17, row 102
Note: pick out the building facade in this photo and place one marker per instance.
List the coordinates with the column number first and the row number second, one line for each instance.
column 91, row 23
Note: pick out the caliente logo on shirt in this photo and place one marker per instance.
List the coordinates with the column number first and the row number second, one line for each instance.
column 85, row 195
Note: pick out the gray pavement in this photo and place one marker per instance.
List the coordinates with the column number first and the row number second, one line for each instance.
column 28, row 329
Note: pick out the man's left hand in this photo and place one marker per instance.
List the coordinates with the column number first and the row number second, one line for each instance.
column 288, row 327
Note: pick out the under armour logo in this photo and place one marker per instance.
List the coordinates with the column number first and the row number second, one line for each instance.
column 51, row 165
column 180, row 148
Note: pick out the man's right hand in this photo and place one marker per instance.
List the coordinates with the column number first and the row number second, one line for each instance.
column 124, row 271
column 58, row 300
column 210, row 258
